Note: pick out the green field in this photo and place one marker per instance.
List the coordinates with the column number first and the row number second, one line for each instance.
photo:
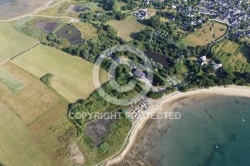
column 72, row 76
column 233, row 56
column 204, row 36
column 10, row 81
column 12, row 42
column 126, row 28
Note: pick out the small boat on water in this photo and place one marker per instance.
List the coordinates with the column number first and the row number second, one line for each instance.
column 216, row 146
column 243, row 120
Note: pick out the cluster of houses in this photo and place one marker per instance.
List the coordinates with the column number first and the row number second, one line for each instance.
column 141, row 14
column 227, row 11
column 186, row 11
column 134, row 69
column 204, row 61
column 239, row 34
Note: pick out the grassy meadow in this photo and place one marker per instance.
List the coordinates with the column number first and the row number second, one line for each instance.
column 12, row 42
column 204, row 36
column 233, row 56
column 87, row 30
column 72, row 76
column 126, row 28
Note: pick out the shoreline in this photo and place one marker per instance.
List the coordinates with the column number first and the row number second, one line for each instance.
column 167, row 99
column 47, row 5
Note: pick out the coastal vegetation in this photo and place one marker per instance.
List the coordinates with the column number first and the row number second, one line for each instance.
column 97, row 145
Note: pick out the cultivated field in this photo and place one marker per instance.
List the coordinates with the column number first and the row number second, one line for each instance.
column 12, row 42
column 72, row 76
column 32, row 121
column 10, row 81
column 233, row 56
column 204, row 36
column 33, row 100
column 126, row 28
column 16, row 145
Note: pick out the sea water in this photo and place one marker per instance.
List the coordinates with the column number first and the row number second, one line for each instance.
column 212, row 131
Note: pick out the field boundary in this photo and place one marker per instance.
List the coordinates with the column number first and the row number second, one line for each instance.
column 25, row 50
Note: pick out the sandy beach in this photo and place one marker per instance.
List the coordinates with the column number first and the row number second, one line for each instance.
column 170, row 99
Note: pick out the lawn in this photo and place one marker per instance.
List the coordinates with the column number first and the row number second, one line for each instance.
column 204, row 35
column 12, row 42
column 72, row 76
column 233, row 56
column 126, row 28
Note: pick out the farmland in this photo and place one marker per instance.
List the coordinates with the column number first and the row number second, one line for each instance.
column 12, row 42
column 9, row 81
column 12, row 151
column 28, row 138
column 34, row 90
column 126, row 28
column 233, row 56
column 72, row 76
column 204, row 36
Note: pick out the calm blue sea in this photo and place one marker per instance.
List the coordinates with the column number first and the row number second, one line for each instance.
column 213, row 131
